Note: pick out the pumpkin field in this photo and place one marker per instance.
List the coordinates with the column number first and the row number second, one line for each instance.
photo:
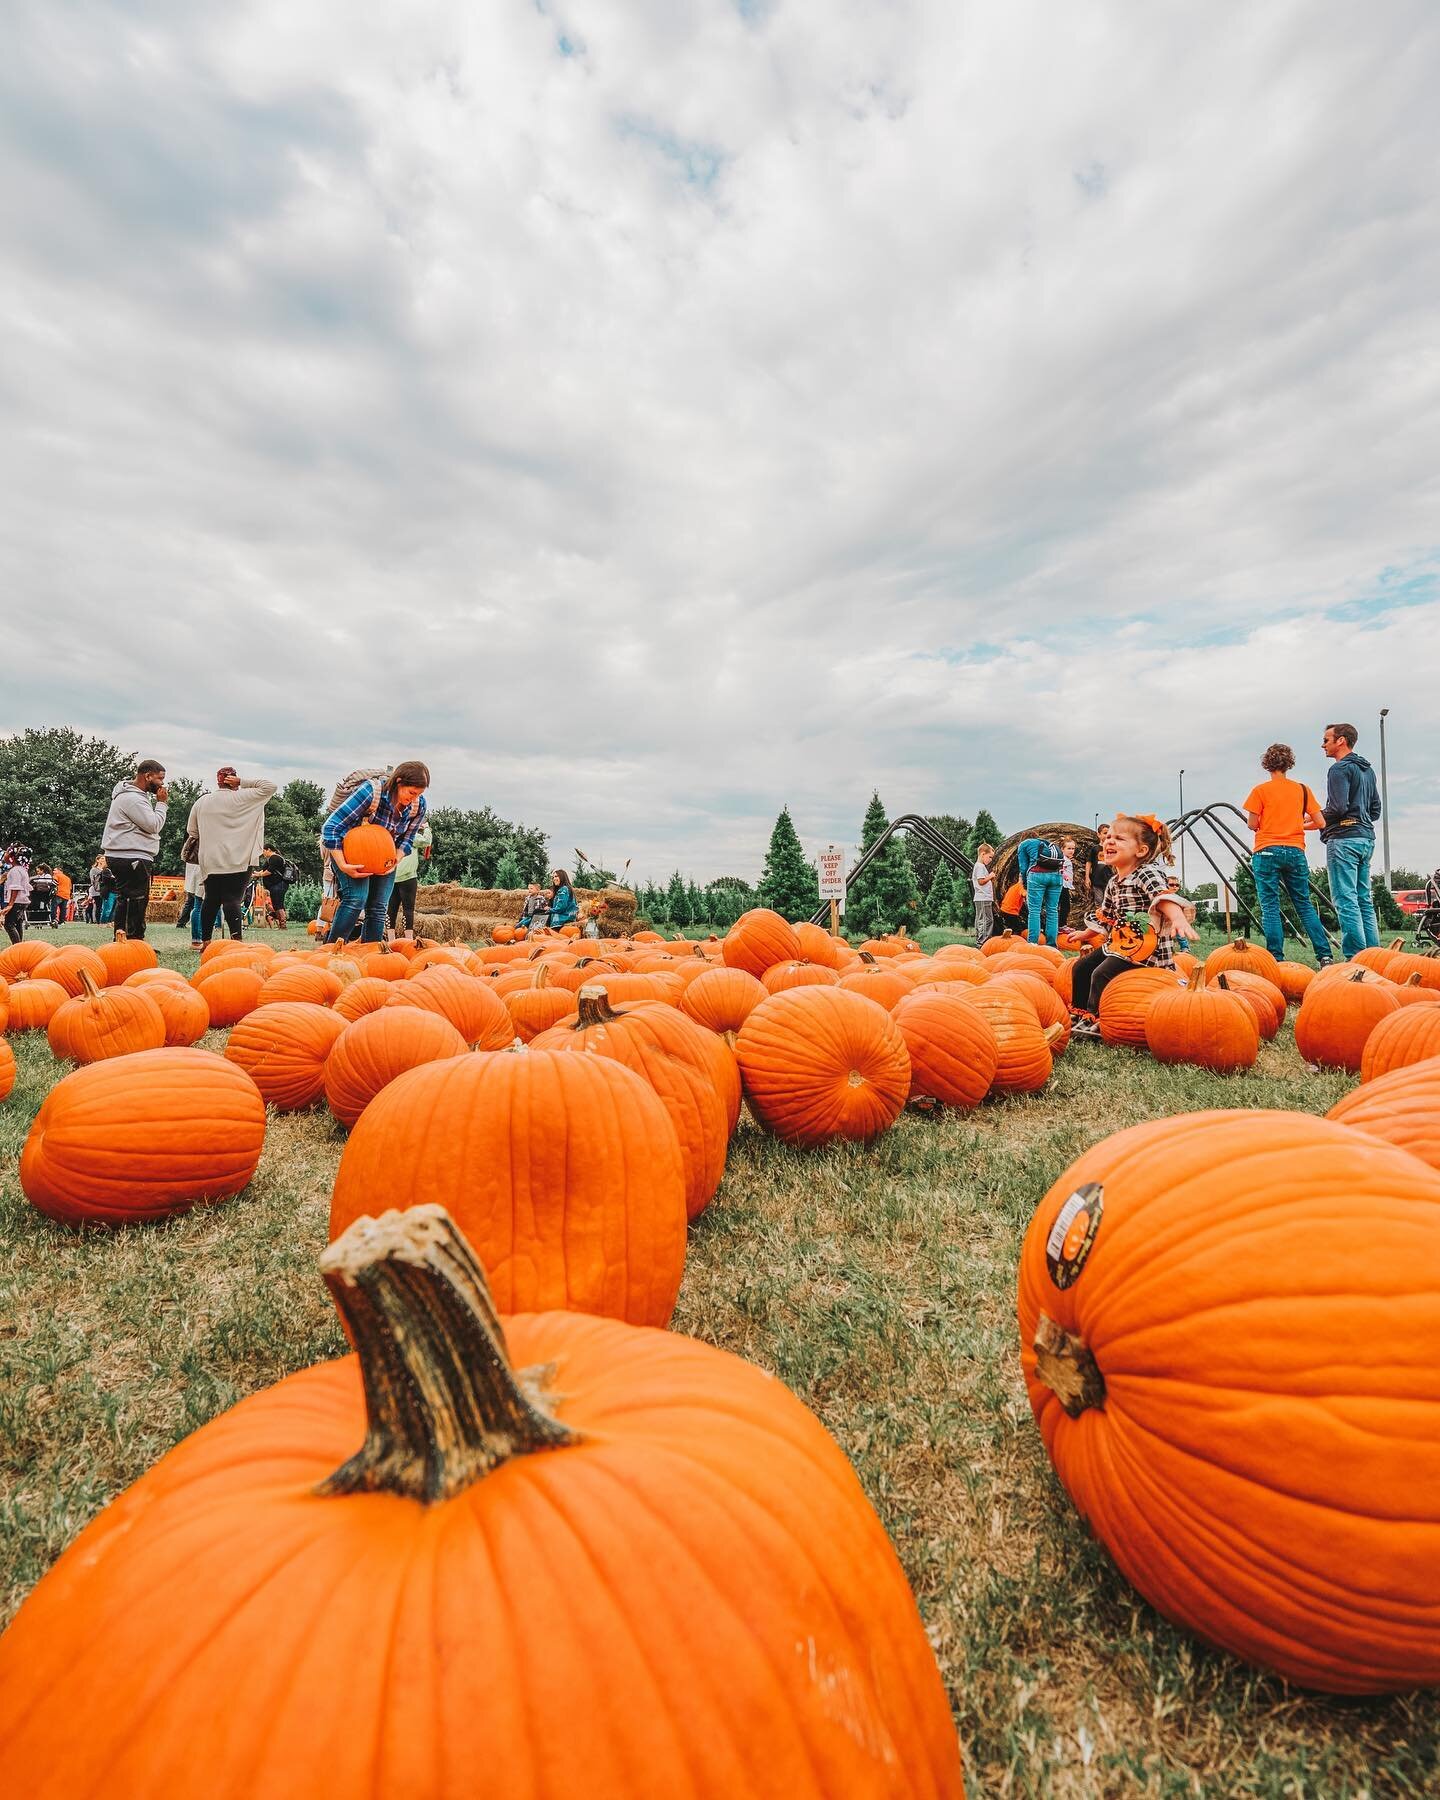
column 875, row 1278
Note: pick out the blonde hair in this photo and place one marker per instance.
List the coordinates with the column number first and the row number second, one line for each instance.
column 1154, row 837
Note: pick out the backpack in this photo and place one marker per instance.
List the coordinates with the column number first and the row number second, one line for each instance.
column 347, row 785
column 1047, row 857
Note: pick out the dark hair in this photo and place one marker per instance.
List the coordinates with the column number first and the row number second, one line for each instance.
column 1348, row 732
column 561, row 879
column 1278, row 758
column 150, row 767
column 408, row 774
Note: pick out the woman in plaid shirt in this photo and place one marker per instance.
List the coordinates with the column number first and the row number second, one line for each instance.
column 1139, row 918
column 398, row 806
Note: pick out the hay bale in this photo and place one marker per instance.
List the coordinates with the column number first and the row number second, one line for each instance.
column 1087, row 850
column 163, row 912
column 482, row 909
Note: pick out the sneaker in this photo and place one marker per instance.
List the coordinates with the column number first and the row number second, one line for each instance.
column 1326, row 962
column 1085, row 1028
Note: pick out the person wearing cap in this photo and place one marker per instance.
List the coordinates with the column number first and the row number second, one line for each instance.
column 131, row 841
column 230, row 827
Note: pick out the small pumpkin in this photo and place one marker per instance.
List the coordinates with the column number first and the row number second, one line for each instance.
column 1292, row 979
column 1208, row 1026
column 183, row 1008
column 23, row 958
column 1242, row 957
column 34, row 1001
column 1336, row 1018
column 229, row 993
column 282, row 1046
column 780, row 976
column 882, row 982
column 124, row 957
column 1265, row 996
column 722, row 999
column 367, row 995
column 820, row 1063
column 817, row 946
column 312, row 985
column 104, row 1022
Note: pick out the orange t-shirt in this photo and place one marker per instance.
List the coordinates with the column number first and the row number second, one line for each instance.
column 63, row 885
column 1281, row 805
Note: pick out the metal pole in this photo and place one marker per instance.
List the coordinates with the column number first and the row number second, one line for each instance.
column 1385, row 800
column 1182, row 815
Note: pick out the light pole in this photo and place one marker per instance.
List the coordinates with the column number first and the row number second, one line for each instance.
column 1385, row 799
column 1182, row 827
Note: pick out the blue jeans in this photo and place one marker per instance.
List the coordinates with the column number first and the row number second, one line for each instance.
column 361, row 894
column 1284, row 866
column 1348, row 860
column 1042, row 902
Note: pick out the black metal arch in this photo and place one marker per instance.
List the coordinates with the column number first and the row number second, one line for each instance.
column 1188, row 825
column 917, row 827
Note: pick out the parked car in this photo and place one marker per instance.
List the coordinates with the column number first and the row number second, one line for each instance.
column 1410, row 900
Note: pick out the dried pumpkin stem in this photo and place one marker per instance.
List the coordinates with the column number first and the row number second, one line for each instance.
column 1067, row 1368
column 594, row 1008
column 444, row 1406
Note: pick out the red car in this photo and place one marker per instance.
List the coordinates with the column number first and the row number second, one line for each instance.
column 1410, row 900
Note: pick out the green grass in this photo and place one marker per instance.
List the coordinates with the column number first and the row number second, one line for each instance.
column 878, row 1283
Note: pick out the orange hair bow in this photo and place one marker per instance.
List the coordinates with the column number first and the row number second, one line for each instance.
column 1150, row 820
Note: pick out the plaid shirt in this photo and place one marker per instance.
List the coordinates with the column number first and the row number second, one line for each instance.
column 1132, row 896
column 401, row 823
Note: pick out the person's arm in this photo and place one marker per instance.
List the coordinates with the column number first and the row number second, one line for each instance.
column 1314, row 818
column 140, row 814
column 348, row 813
column 1337, row 793
column 256, row 783
column 1252, row 818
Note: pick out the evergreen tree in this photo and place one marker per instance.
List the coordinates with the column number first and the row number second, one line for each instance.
column 886, row 897
column 696, row 901
column 655, row 907
column 940, row 898
column 789, row 884
column 924, row 859
column 677, row 902
column 509, row 872
column 985, row 831
column 962, row 900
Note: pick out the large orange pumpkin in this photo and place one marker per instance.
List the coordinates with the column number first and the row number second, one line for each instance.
column 1242, row 957
column 1208, row 1026
column 34, row 1001
column 313, row 986
column 817, row 946
column 1410, row 1034
column 370, row 849
column 953, row 1053
column 821, row 1063
column 1336, row 1018
column 780, row 976
column 104, row 1022
column 124, row 957
column 479, row 1015
column 23, row 958
column 563, row 1171
column 282, row 1046
column 1026, row 1058
column 1402, row 1106
column 478, row 1520
column 142, row 1137
column 758, row 939
column 367, row 995
column 183, row 1008
column 881, row 982
column 535, row 1009
column 673, row 1055
column 229, row 993
column 1228, row 1325
column 1125, row 1001
column 378, row 1048
column 7, row 1070
column 722, row 999
column 66, row 966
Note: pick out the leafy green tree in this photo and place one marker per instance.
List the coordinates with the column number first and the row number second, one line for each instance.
column 940, row 898
column 923, row 859
column 469, row 845
column 509, row 872
column 789, row 884
column 677, row 902
column 1400, row 879
column 183, row 795
column 307, row 799
column 55, row 788
column 294, row 834
column 984, row 831
column 886, row 897
column 1388, row 915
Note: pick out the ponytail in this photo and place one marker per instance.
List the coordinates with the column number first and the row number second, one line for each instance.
column 1154, row 836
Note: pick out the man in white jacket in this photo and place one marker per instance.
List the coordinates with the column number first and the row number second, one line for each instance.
column 130, row 841
column 230, row 824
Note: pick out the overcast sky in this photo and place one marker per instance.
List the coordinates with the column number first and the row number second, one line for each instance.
column 653, row 412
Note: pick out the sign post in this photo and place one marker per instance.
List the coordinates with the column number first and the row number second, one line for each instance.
column 830, row 867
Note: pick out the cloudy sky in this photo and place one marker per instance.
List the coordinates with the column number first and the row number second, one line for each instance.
column 653, row 411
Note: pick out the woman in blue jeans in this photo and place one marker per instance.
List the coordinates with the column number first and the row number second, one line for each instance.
column 1040, row 868
column 1280, row 812
column 397, row 804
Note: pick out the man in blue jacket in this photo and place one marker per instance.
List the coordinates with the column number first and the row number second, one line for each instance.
column 1352, row 805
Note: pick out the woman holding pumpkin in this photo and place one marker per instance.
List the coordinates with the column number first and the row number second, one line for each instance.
column 364, row 867
column 1139, row 919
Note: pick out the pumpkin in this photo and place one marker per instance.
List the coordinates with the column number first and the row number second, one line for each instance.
column 4, row 1005
column 156, row 977
column 124, row 957
column 104, row 1022
column 183, row 1008
column 954, row 1056
column 7, row 1070
column 1026, row 1061
column 229, row 993
column 34, row 1002
column 66, row 967
column 477, row 1519
column 380, row 1046
column 821, row 1062
column 878, row 981
column 757, row 940
column 1411, row 992
column 563, row 1171
column 1228, row 1324
column 536, row 1009
column 282, row 1046
column 250, row 950
column 817, row 946
column 1265, row 997
column 477, row 1014
column 1292, row 979
column 1401, row 1106
column 370, row 849
column 780, row 976
column 385, row 965
column 312, row 985
column 1040, row 993
column 722, row 999
column 503, row 934
column 1424, row 971
column 1206, row 1025
column 1242, row 957
column 1125, row 1000
column 623, row 987
column 959, row 953
column 1411, row 1034
column 1336, row 1018
column 367, row 995
column 674, row 1055
column 23, row 958
column 141, row 1137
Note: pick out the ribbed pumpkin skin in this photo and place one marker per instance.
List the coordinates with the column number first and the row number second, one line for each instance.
column 183, row 1008
column 1125, row 1001
column 1293, row 979
column 953, row 1053
column 34, row 1003
column 1243, row 981
column 378, row 1048
column 106, row 1022
column 1209, row 1027
column 722, row 999
column 318, row 987
column 757, row 940
column 479, row 1015
column 1243, row 957
column 821, row 1063
column 705, row 1544
column 371, row 849
column 780, row 976
column 7, row 1070
column 125, row 957
column 367, row 995
column 670, row 1053
column 142, row 1137
column 229, row 993
column 1402, row 1106
column 1039, row 992
column 563, row 1172
column 65, row 965
column 536, row 1009
column 23, row 958
column 1026, row 1063
column 283, row 1047
column 1336, row 1018
column 4, row 1003
column 1262, row 1301
column 817, row 946
column 1409, row 1035
column 886, row 985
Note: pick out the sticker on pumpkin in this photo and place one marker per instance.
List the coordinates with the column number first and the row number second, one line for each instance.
column 1133, row 938
column 1072, row 1236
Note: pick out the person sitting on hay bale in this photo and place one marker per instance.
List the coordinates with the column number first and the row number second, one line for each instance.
column 564, row 908
column 535, row 913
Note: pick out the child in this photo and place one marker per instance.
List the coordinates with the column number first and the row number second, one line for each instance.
column 1139, row 918
column 1013, row 915
column 983, row 884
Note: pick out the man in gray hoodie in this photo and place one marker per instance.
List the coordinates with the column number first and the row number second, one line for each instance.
column 130, row 841
column 1352, row 805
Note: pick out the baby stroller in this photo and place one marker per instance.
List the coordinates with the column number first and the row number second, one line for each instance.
column 1427, row 926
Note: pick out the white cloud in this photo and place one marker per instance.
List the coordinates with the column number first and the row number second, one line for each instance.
column 731, row 410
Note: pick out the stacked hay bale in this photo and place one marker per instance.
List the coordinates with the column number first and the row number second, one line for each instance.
column 1087, row 846
column 450, row 913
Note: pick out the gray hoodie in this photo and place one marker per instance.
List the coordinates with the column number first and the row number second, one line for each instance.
column 132, row 826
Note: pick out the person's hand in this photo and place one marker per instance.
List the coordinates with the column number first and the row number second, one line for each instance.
column 162, row 793
column 344, row 867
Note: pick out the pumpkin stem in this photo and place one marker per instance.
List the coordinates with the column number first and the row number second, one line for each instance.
column 1067, row 1368
column 88, row 983
column 444, row 1406
column 593, row 1005
column 867, row 956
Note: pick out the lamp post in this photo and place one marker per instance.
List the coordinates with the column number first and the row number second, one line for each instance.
column 1385, row 799
column 1182, row 826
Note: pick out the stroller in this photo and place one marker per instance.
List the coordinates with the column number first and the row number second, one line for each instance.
column 1427, row 925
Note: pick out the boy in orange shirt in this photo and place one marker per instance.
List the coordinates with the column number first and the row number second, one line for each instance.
column 1280, row 812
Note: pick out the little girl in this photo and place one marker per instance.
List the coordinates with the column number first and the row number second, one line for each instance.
column 1139, row 917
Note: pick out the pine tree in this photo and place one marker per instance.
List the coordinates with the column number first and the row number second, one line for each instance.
column 923, row 858
column 962, row 900
column 789, row 884
column 696, row 900
column 886, row 897
column 986, row 831
column 677, row 903
column 509, row 873
column 940, row 900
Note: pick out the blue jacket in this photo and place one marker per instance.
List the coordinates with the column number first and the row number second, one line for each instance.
column 1352, row 799
column 1030, row 849
column 563, row 910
